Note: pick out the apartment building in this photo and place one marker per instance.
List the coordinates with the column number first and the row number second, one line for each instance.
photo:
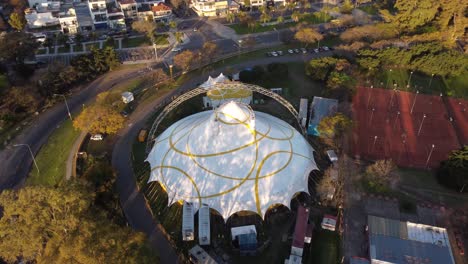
column 68, row 19
column 210, row 7
column 161, row 13
column 98, row 11
column 129, row 8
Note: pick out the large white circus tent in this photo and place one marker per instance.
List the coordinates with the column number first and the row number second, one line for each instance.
column 232, row 159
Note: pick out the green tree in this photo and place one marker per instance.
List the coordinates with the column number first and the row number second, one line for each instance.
column 100, row 117
column 337, row 80
column 453, row 172
column 159, row 76
column 318, row 69
column 230, row 17
column 381, row 175
column 296, row 16
column 347, row 7
column 17, row 21
column 62, row 225
column 17, row 46
column 145, row 27
column 173, row 24
column 265, row 17
column 210, row 50
column 332, row 127
column 280, row 20
column 184, row 60
column 412, row 14
column 308, row 36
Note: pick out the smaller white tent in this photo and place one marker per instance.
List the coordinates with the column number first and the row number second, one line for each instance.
column 209, row 83
column 127, row 97
column 221, row 78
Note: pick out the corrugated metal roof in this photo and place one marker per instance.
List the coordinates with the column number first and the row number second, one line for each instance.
column 396, row 250
column 387, row 227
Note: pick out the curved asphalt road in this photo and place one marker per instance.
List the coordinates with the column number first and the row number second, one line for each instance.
column 16, row 161
column 133, row 202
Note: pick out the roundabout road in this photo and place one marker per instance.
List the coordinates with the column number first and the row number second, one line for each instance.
column 133, row 202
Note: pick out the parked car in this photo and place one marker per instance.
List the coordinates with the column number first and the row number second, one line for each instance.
column 325, row 48
column 296, row 50
column 303, row 50
column 280, row 52
column 290, row 51
column 176, row 49
column 124, row 113
column 97, row 137
column 316, row 50
column 274, row 54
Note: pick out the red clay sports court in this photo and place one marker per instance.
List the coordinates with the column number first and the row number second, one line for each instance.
column 385, row 127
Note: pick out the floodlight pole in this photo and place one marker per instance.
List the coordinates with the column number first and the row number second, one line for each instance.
column 430, row 82
column 372, row 115
column 396, row 119
column 414, row 101
column 278, row 33
column 388, row 79
column 420, row 126
column 373, row 145
column 32, row 155
column 391, row 98
column 170, row 70
column 409, row 80
column 370, row 93
column 430, row 153
column 66, row 104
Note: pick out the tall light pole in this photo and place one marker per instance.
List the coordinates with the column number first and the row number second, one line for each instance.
column 414, row 101
column 388, row 79
column 430, row 82
column 170, row 70
column 239, row 46
column 370, row 93
column 32, row 155
column 420, row 126
column 409, row 80
column 391, row 98
column 429, row 156
column 277, row 33
column 396, row 119
column 372, row 115
column 373, row 145
column 66, row 104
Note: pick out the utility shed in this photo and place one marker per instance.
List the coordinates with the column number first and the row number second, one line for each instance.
column 127, row 97
column 204, row 225
column 188, row 222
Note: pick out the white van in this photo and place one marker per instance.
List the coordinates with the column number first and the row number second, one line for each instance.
column 96, row 137
column 39, row 37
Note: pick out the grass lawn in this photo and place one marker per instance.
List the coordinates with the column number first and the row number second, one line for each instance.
column 161, row 39
column 456, row 86
column 135, row 42
column 78, row 48
column 52, row 157
column 63, row 49
column 369, row 9
column 89, row 46
column 419, row 81
column 309, row 18
column 114, row 44
column 325, row 248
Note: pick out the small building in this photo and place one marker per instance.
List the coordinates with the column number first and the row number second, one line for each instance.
column 332, row 156
column 209, row 7
column 188, row 225
column 329, row 222
column 129, row 8
column 37, row 20
column 394, row 241
column 204, row 235
column 246, row 237
column 320, row 108
column 303, row 107
column 127, row 97
column 198, row 255
column 300, row 232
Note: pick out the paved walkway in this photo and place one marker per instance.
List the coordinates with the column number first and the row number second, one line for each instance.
column 71, row 161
